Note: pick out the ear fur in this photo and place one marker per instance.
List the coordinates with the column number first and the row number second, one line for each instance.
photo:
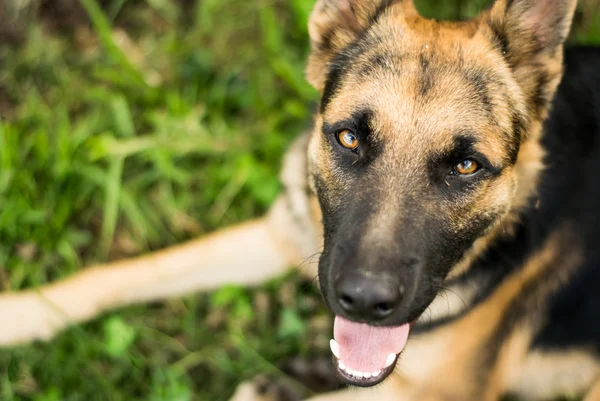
column 335, row 24
column 531, row 35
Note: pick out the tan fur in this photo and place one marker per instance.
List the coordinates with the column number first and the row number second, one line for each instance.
column 338, row 22
column 542, row 375
column 449, row 302
column 594, row 393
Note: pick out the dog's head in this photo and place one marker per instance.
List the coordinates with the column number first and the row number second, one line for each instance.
column 427, row 138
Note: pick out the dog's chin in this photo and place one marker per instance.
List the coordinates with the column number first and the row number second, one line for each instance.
column 366, row 355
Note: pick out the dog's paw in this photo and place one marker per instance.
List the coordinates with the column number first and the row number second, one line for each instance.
column 29, row 317
column 264, row 388
column 318, row 374
column 303, row 378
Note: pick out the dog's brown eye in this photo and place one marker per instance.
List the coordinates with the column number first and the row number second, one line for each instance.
column 347, row 139
column 466, row 167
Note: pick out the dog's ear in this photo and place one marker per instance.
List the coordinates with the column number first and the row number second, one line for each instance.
column 531, row 35
column 335, row 24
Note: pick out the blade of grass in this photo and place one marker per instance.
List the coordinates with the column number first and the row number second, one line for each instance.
column 111, row 205
column 122, row 115
column 140, row 225
column 103, row 29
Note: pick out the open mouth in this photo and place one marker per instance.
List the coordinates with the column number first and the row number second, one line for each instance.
column 365, row 355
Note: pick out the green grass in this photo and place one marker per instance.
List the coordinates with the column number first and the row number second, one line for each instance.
column 156, row 123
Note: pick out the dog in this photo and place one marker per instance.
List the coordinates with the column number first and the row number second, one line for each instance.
column 452, row 180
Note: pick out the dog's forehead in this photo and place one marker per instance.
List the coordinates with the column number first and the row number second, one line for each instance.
column 425, row 84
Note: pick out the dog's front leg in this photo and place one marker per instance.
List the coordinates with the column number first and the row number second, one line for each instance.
column 247, row 254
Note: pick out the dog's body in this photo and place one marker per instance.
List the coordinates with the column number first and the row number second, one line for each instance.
column 494, row 267
column 522, row 317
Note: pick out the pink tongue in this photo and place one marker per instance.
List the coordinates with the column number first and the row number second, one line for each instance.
column 365, row 348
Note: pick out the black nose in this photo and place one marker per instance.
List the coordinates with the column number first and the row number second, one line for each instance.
column 368, row 298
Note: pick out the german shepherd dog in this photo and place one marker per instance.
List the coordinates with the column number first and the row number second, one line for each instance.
column 455, row 167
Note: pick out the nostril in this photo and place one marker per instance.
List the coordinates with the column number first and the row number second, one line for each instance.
column 346, row 302
column 384, row 308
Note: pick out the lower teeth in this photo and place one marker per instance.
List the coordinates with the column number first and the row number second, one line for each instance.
column 366, row 375
column 357, row 374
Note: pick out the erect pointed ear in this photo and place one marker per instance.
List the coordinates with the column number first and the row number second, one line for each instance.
column 335, row 24
column 531, row 35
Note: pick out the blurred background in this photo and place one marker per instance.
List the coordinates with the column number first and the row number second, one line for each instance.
column 130, row 125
